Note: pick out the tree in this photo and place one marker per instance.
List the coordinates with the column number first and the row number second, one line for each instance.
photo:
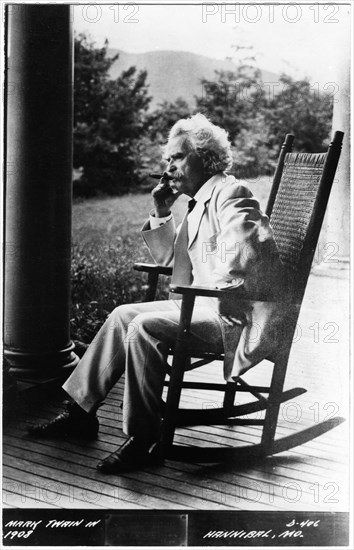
column 257, row 123
column 300, row 109
column 90, row 80
column 233, row 99
column 164, row 117
column 110, row 116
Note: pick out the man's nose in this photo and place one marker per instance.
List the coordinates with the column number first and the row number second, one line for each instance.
column 171, row 166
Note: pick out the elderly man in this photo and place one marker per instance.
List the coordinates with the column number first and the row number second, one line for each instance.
column 223, row 240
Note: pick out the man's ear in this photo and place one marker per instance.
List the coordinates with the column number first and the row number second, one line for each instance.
column 210, row 160
column 207, row 157
column 204, row 155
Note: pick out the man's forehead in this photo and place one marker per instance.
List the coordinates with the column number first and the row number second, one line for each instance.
column 176, row 145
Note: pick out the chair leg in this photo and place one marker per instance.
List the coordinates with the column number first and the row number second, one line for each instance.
column 274, row 402
column 229, row 396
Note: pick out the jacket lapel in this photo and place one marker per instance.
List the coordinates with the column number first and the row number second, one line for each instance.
column 196, row 215
column 194, row 220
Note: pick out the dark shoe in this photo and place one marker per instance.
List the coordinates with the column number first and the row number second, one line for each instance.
column 131, row 455
column 73, row 421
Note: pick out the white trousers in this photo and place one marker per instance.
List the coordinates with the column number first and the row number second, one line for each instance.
column 136, row 339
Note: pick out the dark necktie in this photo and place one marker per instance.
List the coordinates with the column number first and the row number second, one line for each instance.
column 191, row 205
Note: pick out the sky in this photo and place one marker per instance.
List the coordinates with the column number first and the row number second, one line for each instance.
column 299, row 39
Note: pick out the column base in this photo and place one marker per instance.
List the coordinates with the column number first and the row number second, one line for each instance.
column 41, row 366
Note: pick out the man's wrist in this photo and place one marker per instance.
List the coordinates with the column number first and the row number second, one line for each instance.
column 163, row 213
column 158, row 222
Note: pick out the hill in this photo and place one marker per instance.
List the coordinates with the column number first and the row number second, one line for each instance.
column 173, row 74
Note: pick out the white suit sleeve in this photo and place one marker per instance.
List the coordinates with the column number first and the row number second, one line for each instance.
column 160, row 240
column 245, row 242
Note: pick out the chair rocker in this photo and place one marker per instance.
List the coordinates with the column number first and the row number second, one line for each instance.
column 296, row 208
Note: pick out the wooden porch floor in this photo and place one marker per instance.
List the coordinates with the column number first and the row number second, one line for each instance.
column 53, row 474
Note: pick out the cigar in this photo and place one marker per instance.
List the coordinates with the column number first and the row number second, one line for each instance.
column 159, row 176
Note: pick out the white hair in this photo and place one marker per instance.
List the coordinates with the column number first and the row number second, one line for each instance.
column 208, row 141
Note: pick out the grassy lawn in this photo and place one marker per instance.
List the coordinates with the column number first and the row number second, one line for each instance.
column 106, row 244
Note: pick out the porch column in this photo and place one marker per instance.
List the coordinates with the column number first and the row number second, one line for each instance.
column 38, row 192
column 335, row 239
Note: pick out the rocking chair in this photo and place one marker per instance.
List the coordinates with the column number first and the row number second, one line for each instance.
column 296, row 208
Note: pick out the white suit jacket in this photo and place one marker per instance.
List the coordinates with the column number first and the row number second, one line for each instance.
column 230, row 241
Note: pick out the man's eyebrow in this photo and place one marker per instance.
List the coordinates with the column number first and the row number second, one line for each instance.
column 174, row 155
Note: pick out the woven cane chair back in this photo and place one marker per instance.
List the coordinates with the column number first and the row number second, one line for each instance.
column 299, row 207
column 294, row 204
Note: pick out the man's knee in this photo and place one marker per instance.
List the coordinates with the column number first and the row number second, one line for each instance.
column 123, row 314
column 139, row 326
column 146, row 324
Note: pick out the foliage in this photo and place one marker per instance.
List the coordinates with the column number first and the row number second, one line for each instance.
column 100, row 282
column 165, row 116
column 109, row 120
column 257, row 121
column 252, row 154
column 302, row 110
column 90, row 80
column 234, row 99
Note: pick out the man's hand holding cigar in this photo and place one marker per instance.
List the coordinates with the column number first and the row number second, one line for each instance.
column 164, row 195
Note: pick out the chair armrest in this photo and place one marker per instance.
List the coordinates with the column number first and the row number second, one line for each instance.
column 236, row 291
column 153, row 268
column 206, row 290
